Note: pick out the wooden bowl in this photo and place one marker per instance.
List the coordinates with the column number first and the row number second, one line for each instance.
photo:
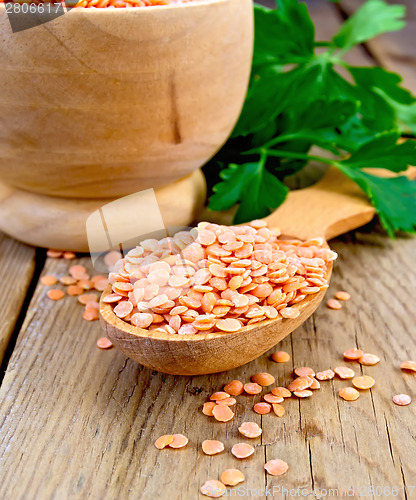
column 204, row 352
column 101, row 103
column 60, row 223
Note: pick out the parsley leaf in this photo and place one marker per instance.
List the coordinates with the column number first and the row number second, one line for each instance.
column 393, row 198
column 251, row 184
column 383, row 152
column 299, row 99
column 286, row 34
column 373, row 18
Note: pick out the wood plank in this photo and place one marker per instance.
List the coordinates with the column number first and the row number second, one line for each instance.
column 395, row 51
column 17, row 265
column 79, row 422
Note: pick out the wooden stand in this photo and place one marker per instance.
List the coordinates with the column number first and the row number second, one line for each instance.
column 51, row 222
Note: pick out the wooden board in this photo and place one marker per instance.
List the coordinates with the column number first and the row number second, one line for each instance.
column 79, row 422
column 17, row 265
column 76, row 422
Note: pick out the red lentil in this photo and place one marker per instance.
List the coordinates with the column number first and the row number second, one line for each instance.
column 222, row 280
column 276, row 467
column 163, row 441
column 262, row 408
column 242, row 450
column 222, row 413
column 252, row 388
column 232, row 477
column 353, row 354
column 55, row 294
column 402, row 399
column 408, row 365
column 325, row 375
column 208, row 407
column 179, row 441
column 104, row 343
column 364, row 382
column 349, row 393
column 342, row 295
column 49, row 280
column 344, row 372
column 281, row 392
column 333, row 304
column 213, row 488
column 263, row 379
column 212, row 447
column 278, row 409
column 250, row 430
column 369, row 359
column 234, row 388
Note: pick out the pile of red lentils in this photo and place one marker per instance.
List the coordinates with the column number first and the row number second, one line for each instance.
column 217, row 279
column 305, row 382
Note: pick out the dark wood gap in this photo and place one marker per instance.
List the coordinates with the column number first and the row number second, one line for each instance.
column 40, row 259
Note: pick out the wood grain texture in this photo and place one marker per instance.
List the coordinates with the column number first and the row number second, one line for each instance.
column 17, row 264
column 77, row 422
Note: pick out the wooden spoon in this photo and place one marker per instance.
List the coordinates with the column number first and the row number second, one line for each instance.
column 329, row 208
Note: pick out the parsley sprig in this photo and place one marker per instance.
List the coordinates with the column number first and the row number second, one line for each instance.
column 300, row 97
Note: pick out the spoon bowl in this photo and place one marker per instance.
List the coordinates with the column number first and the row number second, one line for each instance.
column 331, row 207
column 204, row 352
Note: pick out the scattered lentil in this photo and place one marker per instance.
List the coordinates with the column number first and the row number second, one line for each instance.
column 271, row 398
column 212, row 488
column 222, row 413
column 325, row 375
column 408, row 365
column 163, row 441
column 304, row 371
column 49, row 280
column 364, row 382
column 179, row 441
column 212, row 447
column 281, row 392
column 55, row 294
column 353, row 354
column 263, row 379
column 262, row 408
column 280, row 357
column 232, row 477
column 278, row 409
column 250, row 430
column 208, row 407
column 402, row 399
column 344, row 372
column 276, row 467
column 234, row 388
column 242, row 450
column 333, row 304
column 349, row 393
column 303, row 394
column 342, row 295
column 252, row 388
column 104, row 343
column 368, row 359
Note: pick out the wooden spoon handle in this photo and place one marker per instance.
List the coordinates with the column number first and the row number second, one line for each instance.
column 332, row 206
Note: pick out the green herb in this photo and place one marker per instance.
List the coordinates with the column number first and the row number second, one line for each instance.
column 299, row 99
